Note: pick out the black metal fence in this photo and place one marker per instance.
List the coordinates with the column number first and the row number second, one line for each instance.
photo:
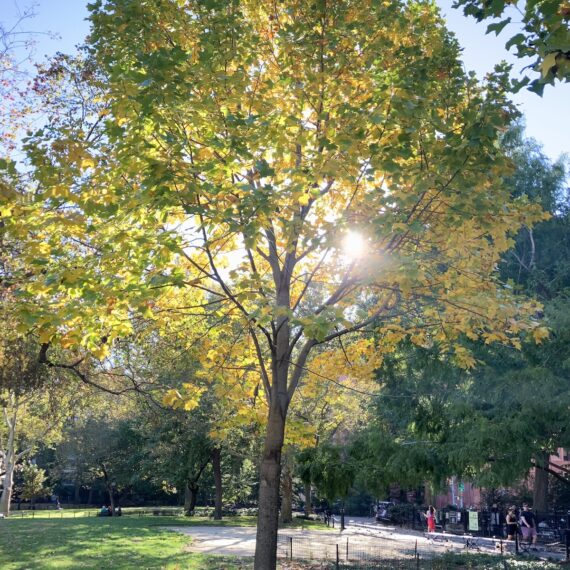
column 349, row 552
column 345, row 553
column 552, row 526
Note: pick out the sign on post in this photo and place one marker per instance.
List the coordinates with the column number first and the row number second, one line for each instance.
column 473, row 520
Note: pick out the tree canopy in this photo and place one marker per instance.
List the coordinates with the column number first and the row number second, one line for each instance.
column 228, row 150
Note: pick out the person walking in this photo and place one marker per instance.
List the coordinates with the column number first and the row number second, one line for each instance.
column 430, row 517
column 528, row 525
column 512, row 525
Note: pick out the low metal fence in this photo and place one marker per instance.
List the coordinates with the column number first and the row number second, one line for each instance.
column 345, row 553
column 332, row 553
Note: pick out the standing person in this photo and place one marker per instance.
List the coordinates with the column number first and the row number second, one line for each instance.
column 430, row 517
column 511, row 523
column 528, row 524
column 496, row 520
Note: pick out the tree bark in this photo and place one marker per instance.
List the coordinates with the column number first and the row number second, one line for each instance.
column 540, row 490
column 190, row 497
column 428, row 495
column 10, row 459
column 217, row 468
column 270, row 472
column 109, row 487
column 77, row 492
column 287, row 492
column 6, row 497
column 308, row 499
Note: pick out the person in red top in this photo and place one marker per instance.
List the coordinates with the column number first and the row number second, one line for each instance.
column 430, row 517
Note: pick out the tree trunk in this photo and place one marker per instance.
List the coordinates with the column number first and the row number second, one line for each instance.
column 77, row 492
column 308, row 499
column 90, row 496
column 287, row 492
column 190, row 498
column 217, row 468
column 109, row 487
column 428, row 495
column 540, row 491
column 10, row 459
column 270, row 471
column 6, row 497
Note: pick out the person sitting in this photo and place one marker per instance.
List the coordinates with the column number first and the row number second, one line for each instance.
column 104, row 512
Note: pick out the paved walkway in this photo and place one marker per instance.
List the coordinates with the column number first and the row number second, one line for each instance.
column 361, row 535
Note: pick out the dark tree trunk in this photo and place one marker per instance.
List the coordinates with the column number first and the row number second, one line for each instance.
column 217, row 468
column 190, row 497
column 109, row 488
column 270, row 472
column 287, row 492
column 90, row 496
column 540, row 491
column 76, row 492
column 308, row 499
column 428, row 495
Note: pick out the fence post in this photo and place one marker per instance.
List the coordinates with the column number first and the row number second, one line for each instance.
column 501, row 546
column 347, row 547
column 337, row 558
column 290, row 548
column 516, row 541
column 416, row 549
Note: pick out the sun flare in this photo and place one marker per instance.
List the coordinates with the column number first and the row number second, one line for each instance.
column 353, row 245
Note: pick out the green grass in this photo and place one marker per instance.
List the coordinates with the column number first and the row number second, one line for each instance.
column 142, row 543
column 123, row 543
column 71, row 539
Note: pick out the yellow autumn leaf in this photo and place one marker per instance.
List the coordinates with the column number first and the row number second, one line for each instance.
column 45, row 336
column 171, row 398
column 539, row 334
column 100, row 352
column 87, row 162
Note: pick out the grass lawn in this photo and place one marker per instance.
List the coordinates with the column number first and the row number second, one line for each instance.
column 99, row 543
column 68, row 539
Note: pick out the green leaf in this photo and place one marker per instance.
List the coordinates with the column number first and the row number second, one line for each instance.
column 517, row 39
column 497, row 27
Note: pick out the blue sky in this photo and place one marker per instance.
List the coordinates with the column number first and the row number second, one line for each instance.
column 547, row 118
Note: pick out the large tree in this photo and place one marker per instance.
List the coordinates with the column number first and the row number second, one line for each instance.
column 233, row 148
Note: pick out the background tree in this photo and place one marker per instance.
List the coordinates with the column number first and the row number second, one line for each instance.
column 33, row 483
column 34, row 403
column 494, row 423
